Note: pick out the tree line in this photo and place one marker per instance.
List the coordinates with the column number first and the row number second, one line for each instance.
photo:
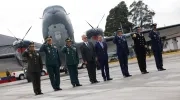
column 120, row 16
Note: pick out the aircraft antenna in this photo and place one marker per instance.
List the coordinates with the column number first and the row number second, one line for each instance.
column 100, row 20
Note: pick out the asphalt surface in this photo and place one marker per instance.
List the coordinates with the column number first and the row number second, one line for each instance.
column 156, row 85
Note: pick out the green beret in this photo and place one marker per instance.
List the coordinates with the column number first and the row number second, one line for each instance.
column 68, row 40
column 48, row 37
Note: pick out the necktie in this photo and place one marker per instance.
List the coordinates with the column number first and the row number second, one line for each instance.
column 101, row 44
column 87, row 44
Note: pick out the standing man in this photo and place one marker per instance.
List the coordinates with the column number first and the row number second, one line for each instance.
column 35, row 67
column 157, row 47
column 89, row 58
column 101, row 52
column 122, row 52
column 52, row 62
column 140, row 49
column 8, row 74
column 72, row 61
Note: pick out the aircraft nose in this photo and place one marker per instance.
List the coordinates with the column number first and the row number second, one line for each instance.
column 54, row 11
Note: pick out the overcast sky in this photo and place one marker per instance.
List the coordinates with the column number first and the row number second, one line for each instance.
column 19, row 15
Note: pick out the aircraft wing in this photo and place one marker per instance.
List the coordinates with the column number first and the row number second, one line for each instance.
column 6, row 51
column 165, row 33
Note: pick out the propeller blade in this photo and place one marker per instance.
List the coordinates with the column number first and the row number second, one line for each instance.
column 101, row 20
column 91, row 26
column 26, row 33
column 13, row 35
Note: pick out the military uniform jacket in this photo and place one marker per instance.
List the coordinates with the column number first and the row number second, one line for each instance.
column 139, row 41
column 52, row 54
column 121, row 44
column 71, row 55
column 156, row 41
column 34, row 61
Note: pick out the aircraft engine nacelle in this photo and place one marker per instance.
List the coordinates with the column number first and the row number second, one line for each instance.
column 92, row 34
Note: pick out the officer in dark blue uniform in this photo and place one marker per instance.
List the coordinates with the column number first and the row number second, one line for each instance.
column 122, row 52
column 52, row 62
column 140, row 49
column 157, row 47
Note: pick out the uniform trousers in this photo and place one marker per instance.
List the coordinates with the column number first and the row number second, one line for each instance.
column 123, row 60
column 54, row 75
column 158, row 59
column 36, row 81
column 141, row 58
column 91, row 68
column 73, row 73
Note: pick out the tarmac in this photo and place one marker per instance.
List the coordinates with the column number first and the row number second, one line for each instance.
column 164, row 85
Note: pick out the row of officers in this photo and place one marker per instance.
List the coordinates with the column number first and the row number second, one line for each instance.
column 90, row 54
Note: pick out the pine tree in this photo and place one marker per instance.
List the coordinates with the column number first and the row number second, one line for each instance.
column 118, row 16
column 140, row 15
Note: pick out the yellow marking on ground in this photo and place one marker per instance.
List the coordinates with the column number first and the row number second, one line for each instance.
column 2, row 74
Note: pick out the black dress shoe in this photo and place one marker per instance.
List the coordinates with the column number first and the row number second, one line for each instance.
column 96, row 81
column 144, row 72
column 74, row 85
column 161, row 69
column 125, row 76
column 38, row 93
column 110, row 79
column 105, row 79
column 58, row 89
column 78, row 85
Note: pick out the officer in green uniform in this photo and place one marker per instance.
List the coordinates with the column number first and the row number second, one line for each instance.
column 72, row 61
column 52, row 62
column 35, row 66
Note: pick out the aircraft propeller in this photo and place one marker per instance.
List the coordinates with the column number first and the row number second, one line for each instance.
column 98, row 23
column 100, row 20
column 21, row 42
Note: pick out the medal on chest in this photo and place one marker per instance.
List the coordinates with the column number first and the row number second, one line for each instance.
column 48, row 49
column 37, row 54
column 30, row 55
column 68, row 50
column 74, row 48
